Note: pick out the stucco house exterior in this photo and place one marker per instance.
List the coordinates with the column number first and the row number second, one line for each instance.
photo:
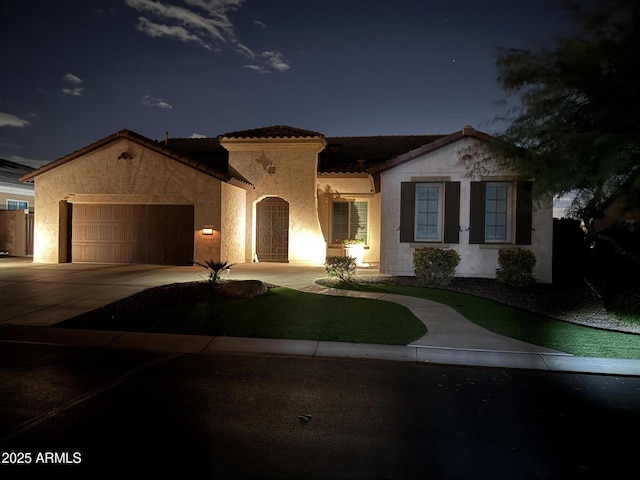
column 283, row 194
column 14, row 194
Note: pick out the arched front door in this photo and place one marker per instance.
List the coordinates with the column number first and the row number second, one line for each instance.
column 272, row 230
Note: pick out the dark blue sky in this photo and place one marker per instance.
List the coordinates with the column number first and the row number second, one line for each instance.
column 75, row 71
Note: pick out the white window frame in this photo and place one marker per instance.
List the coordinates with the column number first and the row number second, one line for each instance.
column 509, row 212
column 17, row 202
column 338, row 241
column 439, row 213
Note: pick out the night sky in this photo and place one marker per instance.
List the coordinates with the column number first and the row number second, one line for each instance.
column 75, row 71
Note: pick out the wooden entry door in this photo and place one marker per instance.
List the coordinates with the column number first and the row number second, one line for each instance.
column 272, row 230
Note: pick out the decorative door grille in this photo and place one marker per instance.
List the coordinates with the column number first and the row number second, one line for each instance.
column 272, row 232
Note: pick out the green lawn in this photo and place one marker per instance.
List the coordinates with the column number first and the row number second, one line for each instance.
column 280, row 313
column 290, row 314
column 523, row 325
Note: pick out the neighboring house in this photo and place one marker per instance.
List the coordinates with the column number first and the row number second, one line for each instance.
column 14, row 194
column 282, row 194
column 16, row 210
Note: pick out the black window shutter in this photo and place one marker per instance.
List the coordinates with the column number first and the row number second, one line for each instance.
column 476, row 225
column 452, row 212
column 407, row 211
column 524, row 211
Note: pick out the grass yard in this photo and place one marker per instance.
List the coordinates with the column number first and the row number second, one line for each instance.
column 290, row 314
column 523, row 325
column 280, row 313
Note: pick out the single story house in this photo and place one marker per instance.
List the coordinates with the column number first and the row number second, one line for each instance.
column 283, row 194
column 14, row 194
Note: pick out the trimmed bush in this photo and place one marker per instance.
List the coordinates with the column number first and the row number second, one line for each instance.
column 343, row 268
column 435, row 266
column 515, row 267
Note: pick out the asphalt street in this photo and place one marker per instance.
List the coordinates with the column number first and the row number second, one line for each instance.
column 84, row 412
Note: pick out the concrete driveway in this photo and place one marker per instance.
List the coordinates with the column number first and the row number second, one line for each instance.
column 44, row 294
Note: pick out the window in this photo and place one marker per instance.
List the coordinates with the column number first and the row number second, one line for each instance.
column 497, row 213
column 501, row 212
column 17, row 205
column 349, row 220
column 430, row 212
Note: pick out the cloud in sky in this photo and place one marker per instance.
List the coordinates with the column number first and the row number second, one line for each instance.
column 75, row 92
column 72, row 79
column 8, row 120
column 197, row 135
column 204, row 23
column 275, row 60
column 150, row 101
column 173, row 31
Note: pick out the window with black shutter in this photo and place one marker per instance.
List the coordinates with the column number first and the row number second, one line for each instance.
column 492, row 216
column 430, row 212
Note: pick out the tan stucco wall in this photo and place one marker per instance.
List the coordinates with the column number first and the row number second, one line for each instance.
column 293, row 164
column 354, row 188
column 146, row 178
column 476, row 260
column 233, row 224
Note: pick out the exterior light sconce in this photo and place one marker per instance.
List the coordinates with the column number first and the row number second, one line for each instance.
column 207, row 230
column 271, row 169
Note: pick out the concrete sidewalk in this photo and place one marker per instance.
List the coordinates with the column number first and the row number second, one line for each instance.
column 36, row 296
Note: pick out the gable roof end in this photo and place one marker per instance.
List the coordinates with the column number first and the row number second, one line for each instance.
column 148, row 143
column 466, row 132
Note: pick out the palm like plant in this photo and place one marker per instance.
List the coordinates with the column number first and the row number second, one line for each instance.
column 215, row 268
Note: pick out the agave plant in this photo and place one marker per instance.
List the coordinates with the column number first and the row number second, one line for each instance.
column 215, row 268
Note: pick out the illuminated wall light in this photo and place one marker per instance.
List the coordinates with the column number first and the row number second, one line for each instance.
column 207, row 230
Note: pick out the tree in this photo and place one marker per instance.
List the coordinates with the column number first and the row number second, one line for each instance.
column 578, row 126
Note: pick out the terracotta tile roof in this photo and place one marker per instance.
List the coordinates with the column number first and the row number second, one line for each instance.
column 357, row 154
column 204, row 150
column 207, row 152
column 274, row 131
column 372, row 155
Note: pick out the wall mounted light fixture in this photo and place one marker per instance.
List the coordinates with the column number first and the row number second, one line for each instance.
column 207, row 230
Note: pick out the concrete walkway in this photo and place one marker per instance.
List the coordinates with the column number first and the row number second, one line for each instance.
column 35, row 296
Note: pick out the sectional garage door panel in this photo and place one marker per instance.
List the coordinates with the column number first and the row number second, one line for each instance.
column 156, row 234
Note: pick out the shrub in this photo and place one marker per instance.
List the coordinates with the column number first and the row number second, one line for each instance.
column 435, row 266
column 344, row 268
column 626, row 305
column 215, row 268
column 515, row 267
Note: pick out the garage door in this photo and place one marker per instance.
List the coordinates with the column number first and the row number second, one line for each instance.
column 156, row 234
